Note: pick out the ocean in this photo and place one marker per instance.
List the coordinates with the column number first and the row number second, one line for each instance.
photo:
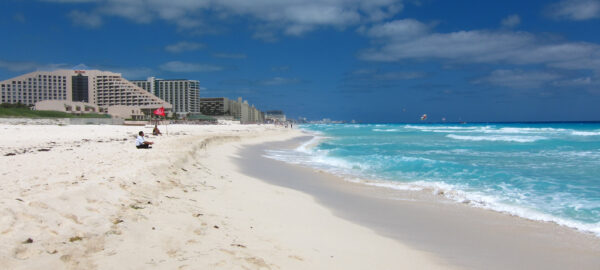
column 545, row 172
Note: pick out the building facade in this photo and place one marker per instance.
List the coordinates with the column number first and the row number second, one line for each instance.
column 236, row 109
column 182, row 94
column 275, row 116
column 100, row 88
column 215, row 106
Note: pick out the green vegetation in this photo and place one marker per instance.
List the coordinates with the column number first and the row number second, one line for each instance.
column 20, row 110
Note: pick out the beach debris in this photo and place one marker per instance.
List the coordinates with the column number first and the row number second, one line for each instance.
column 75, row 238
column 216, row 227
column 198, row 215
column 117, row 221
column 9, row 154
column 19, row 199
column 238, row 245
column 183, row 169
column 153, row 228
column 52, row 252
column 133, row 206
column 28, row 241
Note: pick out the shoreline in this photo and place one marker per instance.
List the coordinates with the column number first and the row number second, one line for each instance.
column 83, row 197
column 479, row 238
column 447, row 193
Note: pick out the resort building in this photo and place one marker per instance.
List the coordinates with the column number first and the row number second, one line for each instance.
column 275, row 116
column 103, row 89
column 232, row 109
column 218, row 106
column 182, row 94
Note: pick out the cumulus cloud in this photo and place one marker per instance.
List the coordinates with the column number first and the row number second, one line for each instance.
column 184, row 46
column 90, row 20
column 279, row 81
column 25, row 66
column 511, row 21
column 19, row 17
column 280, row 68
column 373, row 74
column 398, row 29
column 183, row 67
column 132, row 73
column 71, row 1
column 479, row 46
column 230, row 55
column 292, row 17
column 518, row 78
column 577, row 10
column 275, row 81
column 578, row 82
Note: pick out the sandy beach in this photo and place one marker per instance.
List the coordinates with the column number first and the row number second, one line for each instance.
column 462, row 235
column 83, row 197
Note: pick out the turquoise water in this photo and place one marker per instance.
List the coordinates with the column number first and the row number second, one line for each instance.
column 548, row 172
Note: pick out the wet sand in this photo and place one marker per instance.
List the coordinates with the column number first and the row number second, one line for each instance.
column 462, row 235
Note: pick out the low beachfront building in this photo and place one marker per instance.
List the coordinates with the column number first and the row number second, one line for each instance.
column 182, row 94
column 218, row 106
column 99, row 88
column 73, row 107
column 223, row 107
column 275, row 116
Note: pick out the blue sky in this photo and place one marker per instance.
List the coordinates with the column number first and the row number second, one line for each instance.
column 372, row 61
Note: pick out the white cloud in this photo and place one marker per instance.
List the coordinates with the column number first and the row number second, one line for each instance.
column 184, row 46
column 230, row 55
column 374, row 74
column 19, row 17
column 134, row 73
column 293, row 17
column 519, row 48
column 278, row 81
column 90, row 20
column 177, row 67
column 519, row 78
column 398, row 29
column 511, row 21
column 24, row 66
column 577, row 10
column 71, row 1
column 578, row 82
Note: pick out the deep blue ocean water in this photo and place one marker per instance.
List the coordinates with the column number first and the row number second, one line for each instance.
column 548, row 172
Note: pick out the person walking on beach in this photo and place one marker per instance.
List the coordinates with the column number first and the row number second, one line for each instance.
column 140, row 142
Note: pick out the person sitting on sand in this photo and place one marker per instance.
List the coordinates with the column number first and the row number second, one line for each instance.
column 140, row 142
column 155, row 131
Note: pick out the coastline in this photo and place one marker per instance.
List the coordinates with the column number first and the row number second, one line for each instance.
column 463, row 235
column 83, row 197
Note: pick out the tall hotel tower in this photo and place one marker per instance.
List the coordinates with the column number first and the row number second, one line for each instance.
column 182, row 94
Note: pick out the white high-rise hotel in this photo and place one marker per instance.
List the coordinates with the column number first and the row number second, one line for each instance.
column 183, row 94
column 101, row 88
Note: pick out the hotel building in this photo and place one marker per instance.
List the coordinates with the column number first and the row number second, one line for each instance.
column 182, row 94
column 107, row 90
column 275, row 116
column 236, row 110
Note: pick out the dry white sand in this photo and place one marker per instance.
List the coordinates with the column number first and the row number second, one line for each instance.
column 83, row 197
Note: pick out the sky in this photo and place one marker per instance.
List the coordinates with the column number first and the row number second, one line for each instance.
column 369, row 61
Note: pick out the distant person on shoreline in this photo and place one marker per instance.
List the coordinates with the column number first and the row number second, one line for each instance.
column 140, row 142
column 155, row 131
